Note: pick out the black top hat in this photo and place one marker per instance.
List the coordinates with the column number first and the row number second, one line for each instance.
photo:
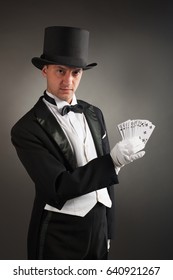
column 64, row 46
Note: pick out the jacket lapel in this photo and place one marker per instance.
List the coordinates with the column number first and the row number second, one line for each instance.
column 52, row 127
column 94, row 126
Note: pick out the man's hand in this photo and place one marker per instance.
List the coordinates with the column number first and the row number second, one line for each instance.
column 127, row 151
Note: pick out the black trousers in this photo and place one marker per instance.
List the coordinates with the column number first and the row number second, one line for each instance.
column 69, row 237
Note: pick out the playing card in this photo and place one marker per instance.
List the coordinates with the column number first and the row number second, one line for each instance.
column 146, row 131
column 123, row 127
column 138, row 127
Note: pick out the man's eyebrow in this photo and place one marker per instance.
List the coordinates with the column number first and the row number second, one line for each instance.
column 62, row 67
column 77, row 69
column 66, row 68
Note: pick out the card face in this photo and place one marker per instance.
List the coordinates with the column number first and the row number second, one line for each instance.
column 123, row 129
column 138, row 127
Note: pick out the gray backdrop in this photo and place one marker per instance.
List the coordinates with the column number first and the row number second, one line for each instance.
column 132, row 43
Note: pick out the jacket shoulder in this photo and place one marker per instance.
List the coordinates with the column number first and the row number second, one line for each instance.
column 87, row 105
column 27, row 118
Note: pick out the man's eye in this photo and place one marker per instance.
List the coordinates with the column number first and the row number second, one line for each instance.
column 77, row 72
column 60, row 71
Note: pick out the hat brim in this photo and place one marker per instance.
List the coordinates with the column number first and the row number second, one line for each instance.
column 40, row 63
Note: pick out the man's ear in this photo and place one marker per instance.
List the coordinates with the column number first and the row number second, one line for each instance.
column 44, row 71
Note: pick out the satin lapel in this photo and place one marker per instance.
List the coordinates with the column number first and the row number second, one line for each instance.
column 94, row 127
column 52, row 127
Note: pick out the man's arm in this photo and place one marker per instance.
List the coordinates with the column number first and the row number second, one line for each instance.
column 53, row 180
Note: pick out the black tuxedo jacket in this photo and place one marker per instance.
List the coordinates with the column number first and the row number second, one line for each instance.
column 46, row 154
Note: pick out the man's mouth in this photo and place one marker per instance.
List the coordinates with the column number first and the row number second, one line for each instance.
column 66, row 88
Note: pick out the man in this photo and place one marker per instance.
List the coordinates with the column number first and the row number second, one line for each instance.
column 64, row 147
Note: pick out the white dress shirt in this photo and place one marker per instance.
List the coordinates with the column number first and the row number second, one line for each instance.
column 80, row 139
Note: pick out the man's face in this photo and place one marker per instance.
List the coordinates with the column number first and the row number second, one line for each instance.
column 62, row 81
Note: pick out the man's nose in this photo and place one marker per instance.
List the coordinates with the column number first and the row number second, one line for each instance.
column 67, row 79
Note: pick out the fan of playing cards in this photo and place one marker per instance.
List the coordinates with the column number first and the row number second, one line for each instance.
column 132, row 128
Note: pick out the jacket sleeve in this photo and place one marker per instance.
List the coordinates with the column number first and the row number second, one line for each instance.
column 54, row 181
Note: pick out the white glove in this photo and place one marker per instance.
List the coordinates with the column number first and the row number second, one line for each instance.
column 127, row 151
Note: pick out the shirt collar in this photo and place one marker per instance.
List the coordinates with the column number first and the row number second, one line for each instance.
column 61, row 103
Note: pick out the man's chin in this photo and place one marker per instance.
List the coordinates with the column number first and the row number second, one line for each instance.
column 66, row 96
